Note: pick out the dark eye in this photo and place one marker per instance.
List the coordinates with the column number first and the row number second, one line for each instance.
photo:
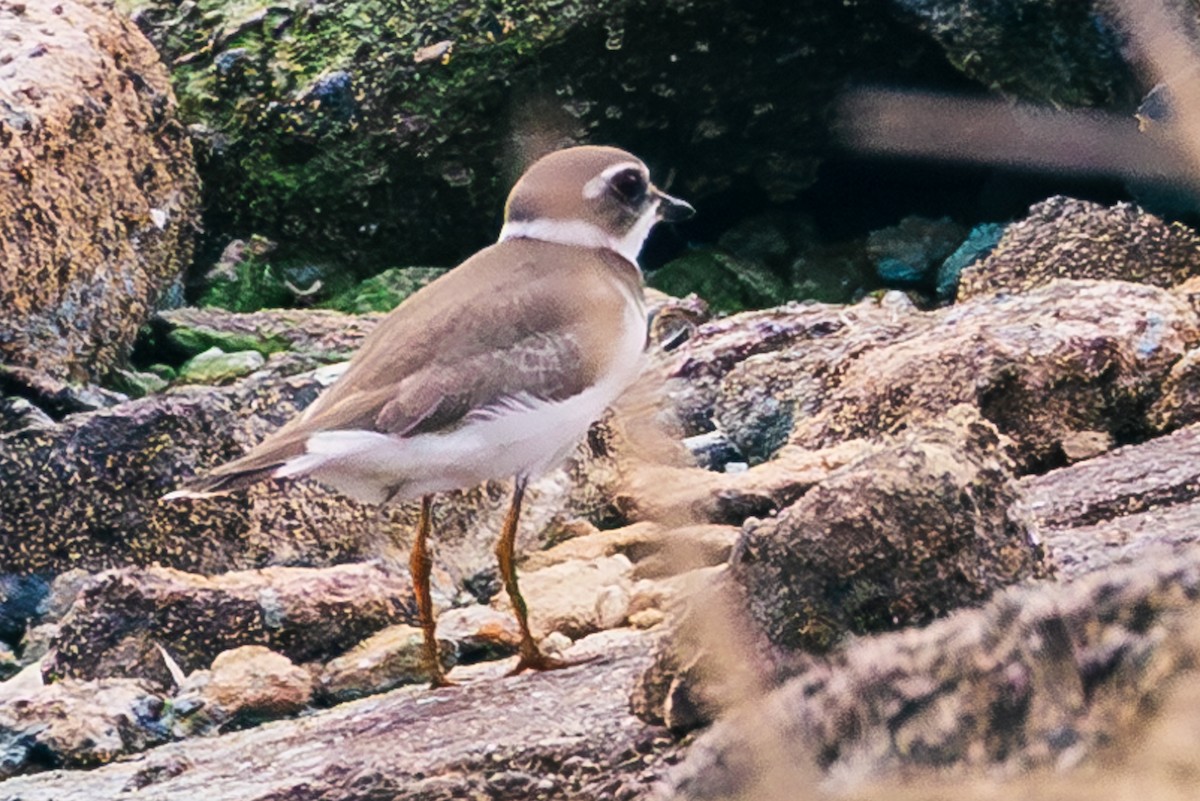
column 630, row 185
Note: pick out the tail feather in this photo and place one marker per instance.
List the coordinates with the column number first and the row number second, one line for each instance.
column 261, row 462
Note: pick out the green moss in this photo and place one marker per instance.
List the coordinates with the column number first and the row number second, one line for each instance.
column 384, row 292
column 198, row 340
column 726, row 283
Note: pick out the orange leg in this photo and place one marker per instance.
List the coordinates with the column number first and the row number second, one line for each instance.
column 531, row 656
column 421, row 565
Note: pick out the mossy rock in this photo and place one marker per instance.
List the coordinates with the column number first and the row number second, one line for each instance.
column 726, row 283
column 384, row 292
column 355, row 130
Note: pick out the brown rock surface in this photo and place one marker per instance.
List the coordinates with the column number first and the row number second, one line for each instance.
column 385, row 660
column 1070, row 357
column 904, row 535
column 1067, row 238
column 562, row 734
column 1119, row 508
column 252, row 683
column 121, row 618
column 1043, row 674
column 99, row 205
column 86, row 492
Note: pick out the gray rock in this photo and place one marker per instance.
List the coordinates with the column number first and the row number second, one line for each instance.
column 77, row 724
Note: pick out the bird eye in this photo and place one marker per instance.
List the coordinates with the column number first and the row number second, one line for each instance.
column 630, row 185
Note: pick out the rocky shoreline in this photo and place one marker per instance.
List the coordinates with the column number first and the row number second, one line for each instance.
column 937, row 534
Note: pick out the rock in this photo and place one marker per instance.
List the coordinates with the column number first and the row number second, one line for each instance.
column 1120, row 508
column 387, row 659
column 214, row 366
column 1050, row 54
column 655, row 550
column 252, row 683
column 566, row 597
column 22, row 599
column 121, row 618
column 102, row 204
column 1067, row 238
column 1179, row 403
column 385, row 291
column 331, row 335
column 979, row 244
column 479, row 633
column 86, row 492
column 1042, row 676
column 836, row 273
column 726, row 283
column 9, row 664
column 1096, row 367
column 899, row 537
column 77, row 724
column 699, row 367
column 296, row 109
column 908, row 254
column 570, row 729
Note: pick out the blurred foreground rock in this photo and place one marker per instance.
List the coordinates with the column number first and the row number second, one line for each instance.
column 101, row 200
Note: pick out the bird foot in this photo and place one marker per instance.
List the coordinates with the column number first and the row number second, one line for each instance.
column 439, row 681
column 536, row 660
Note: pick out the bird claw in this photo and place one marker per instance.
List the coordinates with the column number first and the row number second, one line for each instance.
column 536, row 660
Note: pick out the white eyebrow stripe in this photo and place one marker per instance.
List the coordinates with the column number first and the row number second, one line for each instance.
column 595, row 187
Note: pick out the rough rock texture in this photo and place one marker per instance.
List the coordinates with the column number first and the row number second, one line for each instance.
column 1098, row 368
column 1067, row 238
column 119, row 621
column 1058, row 54
column 385, row 660
column 1042, row 674
column 699, row 367
column 85, row 492
column 576, row 598
column 906, row 534
column 100, row 204
column 563, row 734
column 76, row 724
column 328, row 334
column 406, row 126
column 252, row 683
column 1120, row 508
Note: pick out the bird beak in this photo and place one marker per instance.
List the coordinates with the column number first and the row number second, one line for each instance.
column 672, row 209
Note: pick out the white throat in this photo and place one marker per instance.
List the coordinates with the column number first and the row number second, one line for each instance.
column 583, row 234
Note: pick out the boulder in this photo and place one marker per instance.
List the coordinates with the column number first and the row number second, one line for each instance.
column 297, row 107
column 123, row 617
column 102, row 203
column 559, row 734
column 1042, row 676
column 1067, row 238
column 387, row 659
column 1044, row 366
column 251, row 684
column 908, row 533
column 1055, row 54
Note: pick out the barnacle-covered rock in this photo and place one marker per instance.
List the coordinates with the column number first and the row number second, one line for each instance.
column 100, row 202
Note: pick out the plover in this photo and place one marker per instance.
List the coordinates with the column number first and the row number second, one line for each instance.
column 493, row 371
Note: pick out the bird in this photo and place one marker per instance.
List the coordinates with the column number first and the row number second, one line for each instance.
column 493, row 371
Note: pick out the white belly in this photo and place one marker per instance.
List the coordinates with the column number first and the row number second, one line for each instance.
column 524, row 436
